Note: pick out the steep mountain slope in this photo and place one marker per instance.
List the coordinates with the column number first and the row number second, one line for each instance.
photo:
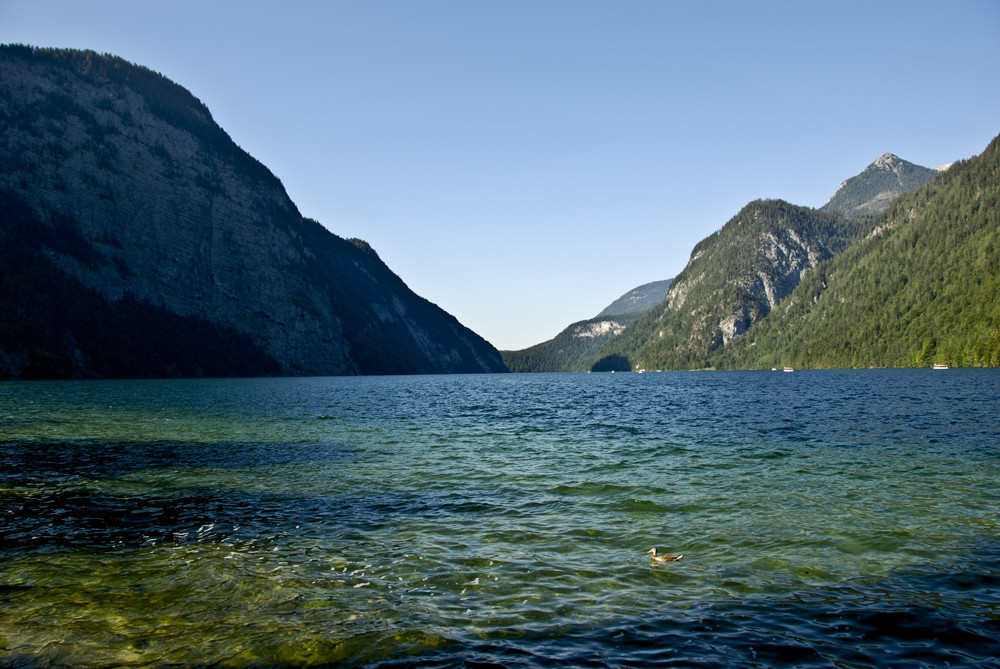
column 870, row 192
column 639, row 300
column 123, row 192
column 734, row 278
column 920, row 286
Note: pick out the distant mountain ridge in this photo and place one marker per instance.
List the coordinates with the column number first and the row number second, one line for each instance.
column 638, row 300
column 123, row 195
column 574, row 349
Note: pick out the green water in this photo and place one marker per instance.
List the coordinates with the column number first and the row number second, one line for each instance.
column 504, row 519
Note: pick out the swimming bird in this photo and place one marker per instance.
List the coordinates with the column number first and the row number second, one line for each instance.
column 663, row 558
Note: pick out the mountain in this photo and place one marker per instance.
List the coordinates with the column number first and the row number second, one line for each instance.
column 137, row 239
column 638, row 300
column 918, row 287
column 734, row 278
column 572, row 350
column 575, row 348
column 870, row 192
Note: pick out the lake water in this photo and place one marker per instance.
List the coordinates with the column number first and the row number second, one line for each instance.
column 826, row 518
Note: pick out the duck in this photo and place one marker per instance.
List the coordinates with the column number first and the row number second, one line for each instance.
column 663, row 558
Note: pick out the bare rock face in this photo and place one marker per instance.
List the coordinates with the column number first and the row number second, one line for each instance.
column 734, row 278
column 753, row 263
column 177, row 216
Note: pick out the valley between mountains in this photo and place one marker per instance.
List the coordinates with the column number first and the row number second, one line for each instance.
column 138, row 240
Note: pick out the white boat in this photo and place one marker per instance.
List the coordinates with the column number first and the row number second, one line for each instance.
column 789, row 369
column 940, row 366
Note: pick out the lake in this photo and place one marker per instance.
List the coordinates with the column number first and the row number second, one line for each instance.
column 825, row 518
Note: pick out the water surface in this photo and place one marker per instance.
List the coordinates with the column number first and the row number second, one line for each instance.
column 826, row 519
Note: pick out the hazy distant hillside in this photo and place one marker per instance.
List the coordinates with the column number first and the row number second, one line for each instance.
column 920, row 286
column 572, row 350
column 638, row 300
column 870, row 192
column 136, row 239
column 575, row 348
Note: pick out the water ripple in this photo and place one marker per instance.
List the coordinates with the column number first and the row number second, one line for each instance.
column 826, row 519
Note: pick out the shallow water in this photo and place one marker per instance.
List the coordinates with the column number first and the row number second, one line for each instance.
column 826, row 519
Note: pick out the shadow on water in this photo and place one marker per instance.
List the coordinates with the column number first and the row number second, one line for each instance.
column 613, row 363
column 41, row 521
column 76, row 494
column 81, row 494
column 24, row 463
column 66, row 519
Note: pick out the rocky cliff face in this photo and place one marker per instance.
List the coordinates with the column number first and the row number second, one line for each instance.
column 742, row 272
column 733, row 279
column 175, row 215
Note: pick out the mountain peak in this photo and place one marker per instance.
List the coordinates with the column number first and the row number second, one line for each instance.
column 887, row 161
column 871, row 191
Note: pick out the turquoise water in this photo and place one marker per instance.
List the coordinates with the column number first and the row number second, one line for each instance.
column 826, row 518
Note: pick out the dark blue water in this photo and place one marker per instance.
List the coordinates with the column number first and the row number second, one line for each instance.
column 834, row 518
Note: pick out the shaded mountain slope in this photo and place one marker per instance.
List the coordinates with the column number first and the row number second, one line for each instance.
column 128, row 195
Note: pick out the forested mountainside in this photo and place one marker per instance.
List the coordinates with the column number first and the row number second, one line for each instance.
column 871, row 192
column 137, row 239
column 920, row 286
column 734, row 278
column 575, row 348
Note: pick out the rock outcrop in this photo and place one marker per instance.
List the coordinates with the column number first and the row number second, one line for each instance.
column 734, row 278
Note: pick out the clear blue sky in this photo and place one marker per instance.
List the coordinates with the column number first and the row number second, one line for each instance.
column 524, row 163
